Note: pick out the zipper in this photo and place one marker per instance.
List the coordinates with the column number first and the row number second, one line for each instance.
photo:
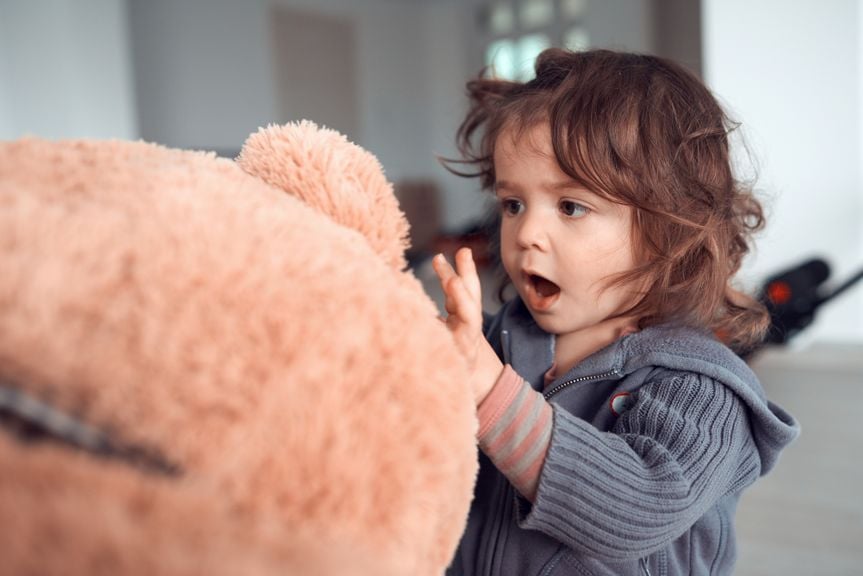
column 549, row 393
column 642, row 562
column 500, row 516
column 498, row 512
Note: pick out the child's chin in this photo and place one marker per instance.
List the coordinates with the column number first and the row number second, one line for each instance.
column 549, row 323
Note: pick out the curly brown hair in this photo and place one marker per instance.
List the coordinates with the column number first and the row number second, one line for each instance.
column 642, row 131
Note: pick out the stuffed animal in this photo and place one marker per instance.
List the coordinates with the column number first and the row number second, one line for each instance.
column 219, row 367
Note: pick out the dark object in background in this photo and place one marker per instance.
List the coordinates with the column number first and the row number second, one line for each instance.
column 793, row 296
column 421, row 201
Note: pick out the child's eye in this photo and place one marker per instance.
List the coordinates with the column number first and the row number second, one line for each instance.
column 511, row 206
column 573, row 209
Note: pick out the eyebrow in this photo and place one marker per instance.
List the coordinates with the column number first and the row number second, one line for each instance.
column 569, row 185
column 502, row 184
column 554, row 186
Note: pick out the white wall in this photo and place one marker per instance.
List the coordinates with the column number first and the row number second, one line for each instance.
column 860, row 122
column 413, row 59
column 202, row 70
column 201, row 74
column 450, row 59
column 621, row 24
column 65, row 69
column 314, row 67
column 394, row 118
column 790, row 70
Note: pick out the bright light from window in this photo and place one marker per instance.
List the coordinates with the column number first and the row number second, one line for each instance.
column 576, row 39
column 500, row 56
column 517, row 31
column 514, row 60
column 529, row 48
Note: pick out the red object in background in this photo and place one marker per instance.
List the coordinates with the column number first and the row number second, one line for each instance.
column 779, row 293
column 793, row 296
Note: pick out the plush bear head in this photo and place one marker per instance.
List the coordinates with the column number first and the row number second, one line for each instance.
column 220, row 367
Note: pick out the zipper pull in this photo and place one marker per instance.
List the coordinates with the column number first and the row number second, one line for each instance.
column 644, row 569
column 505, row 346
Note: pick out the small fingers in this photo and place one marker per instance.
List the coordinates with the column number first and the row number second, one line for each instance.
column 458, row 301
column 467, row 271
column 448, row 282
column 460, row 289
column 443, row 269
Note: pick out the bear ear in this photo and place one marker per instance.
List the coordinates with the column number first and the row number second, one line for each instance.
column 334, row 176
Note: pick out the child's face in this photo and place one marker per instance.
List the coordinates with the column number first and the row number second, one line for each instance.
column 559, row 242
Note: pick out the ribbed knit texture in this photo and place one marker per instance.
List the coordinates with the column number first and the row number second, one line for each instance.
column 650, row 483
column 515, row 430
column 668, row 459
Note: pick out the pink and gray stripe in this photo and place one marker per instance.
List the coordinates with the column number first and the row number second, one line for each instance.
column 515, row 430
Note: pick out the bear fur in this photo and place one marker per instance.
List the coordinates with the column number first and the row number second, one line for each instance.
column 221, row 367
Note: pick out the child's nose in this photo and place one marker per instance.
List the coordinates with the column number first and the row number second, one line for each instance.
column 532, row 231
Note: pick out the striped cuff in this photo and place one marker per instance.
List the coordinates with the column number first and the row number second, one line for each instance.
column 515, row 430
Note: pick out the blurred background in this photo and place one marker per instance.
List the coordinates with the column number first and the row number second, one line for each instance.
column 390, row 74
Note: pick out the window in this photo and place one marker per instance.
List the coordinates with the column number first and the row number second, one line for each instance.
column 535, row 13
column 516, row 31
column 575, row 39
column 501, row 57
column 502, row 20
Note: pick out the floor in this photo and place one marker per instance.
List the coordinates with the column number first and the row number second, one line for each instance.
column 806, row 517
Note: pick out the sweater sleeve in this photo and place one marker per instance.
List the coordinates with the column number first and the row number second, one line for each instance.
column 515, row 429
column 683, row 444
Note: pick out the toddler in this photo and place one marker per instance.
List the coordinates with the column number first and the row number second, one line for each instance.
column 618, row 425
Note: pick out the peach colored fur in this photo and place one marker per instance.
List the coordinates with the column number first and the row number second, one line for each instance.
column 275, row 351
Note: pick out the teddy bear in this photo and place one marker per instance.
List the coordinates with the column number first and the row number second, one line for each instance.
column 215, row 366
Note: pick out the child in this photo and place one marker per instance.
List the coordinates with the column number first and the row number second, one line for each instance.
column 617, row 431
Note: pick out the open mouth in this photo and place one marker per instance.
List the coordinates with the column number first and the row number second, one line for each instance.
column 541, row 292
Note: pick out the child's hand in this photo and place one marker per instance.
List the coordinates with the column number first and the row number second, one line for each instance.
column 463, row 294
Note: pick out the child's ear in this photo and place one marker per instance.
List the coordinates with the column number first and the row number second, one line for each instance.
column 334, row 176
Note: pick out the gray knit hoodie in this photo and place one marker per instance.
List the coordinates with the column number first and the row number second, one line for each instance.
column 652, row 490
